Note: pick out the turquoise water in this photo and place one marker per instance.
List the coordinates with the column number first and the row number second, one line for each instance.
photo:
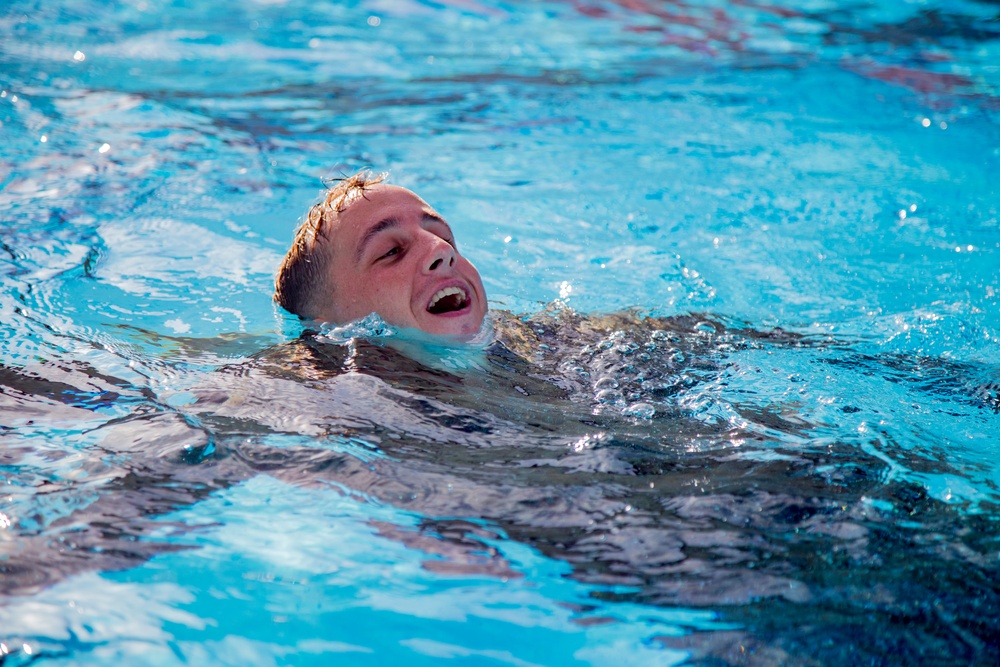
column 800, row 198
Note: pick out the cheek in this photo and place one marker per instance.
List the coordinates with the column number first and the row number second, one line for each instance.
column 390, row 287
column 359, row 298
column 470, row 271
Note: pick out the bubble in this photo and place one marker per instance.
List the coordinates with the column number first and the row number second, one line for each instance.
column 609, row 396
column 606, row 383
column 640, row 410
column 667, row 387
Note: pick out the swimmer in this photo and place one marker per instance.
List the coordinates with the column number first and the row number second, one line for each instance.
column 369, row 247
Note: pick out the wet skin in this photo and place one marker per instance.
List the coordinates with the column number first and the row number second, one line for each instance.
column 396, row 256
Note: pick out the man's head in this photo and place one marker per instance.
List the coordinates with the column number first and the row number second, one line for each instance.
column 373, row 247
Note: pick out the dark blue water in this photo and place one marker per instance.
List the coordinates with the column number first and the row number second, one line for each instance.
column 745, row 411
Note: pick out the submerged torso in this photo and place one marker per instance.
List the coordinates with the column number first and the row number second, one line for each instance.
column 602, row 442
column 608, row 443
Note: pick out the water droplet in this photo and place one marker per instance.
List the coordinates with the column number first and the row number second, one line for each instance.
column 665, row 336
column 704, row 328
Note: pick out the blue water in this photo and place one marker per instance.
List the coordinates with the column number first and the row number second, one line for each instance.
column 800, row 199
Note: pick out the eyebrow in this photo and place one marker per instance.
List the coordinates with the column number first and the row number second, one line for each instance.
column 385, row 224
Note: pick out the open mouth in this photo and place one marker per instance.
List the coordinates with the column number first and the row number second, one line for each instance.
column 448, row 300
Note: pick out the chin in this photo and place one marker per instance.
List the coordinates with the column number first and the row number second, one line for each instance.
column 465, row 326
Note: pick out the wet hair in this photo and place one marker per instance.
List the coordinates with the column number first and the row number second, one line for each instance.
column 303, row 274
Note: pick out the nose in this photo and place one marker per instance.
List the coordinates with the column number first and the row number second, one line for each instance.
column 440, row 255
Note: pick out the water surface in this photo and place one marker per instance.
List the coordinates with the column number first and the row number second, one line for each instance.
column 784, row 453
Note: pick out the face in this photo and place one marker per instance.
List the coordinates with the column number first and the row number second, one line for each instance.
column 392, row 254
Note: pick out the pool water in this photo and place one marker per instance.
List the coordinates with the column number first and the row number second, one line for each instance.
column 737, row 402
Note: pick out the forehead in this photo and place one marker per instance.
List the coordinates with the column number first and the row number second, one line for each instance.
column 376, row 203
column 368, row 209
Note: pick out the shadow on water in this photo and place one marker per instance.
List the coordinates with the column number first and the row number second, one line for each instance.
column 588, row 439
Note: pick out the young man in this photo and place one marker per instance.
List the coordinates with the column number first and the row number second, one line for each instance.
column 370, row 247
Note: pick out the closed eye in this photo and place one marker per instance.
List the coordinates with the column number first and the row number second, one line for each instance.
column 440, row 228
column 396, row 250
column 450, row 240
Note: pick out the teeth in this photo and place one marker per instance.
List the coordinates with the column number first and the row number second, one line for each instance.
column 446, row 292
